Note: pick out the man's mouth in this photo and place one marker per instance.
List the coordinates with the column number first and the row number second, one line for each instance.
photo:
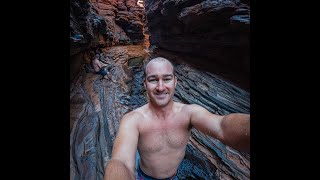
column 161, row 95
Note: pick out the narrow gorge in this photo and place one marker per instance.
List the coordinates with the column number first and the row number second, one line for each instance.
column 208, row 42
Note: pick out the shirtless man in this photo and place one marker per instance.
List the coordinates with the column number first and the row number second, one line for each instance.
column 160, row 130
column 99, row 68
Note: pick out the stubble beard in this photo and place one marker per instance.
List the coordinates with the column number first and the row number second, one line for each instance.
column 162, row 102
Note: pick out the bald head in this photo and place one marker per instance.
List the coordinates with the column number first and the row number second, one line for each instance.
column 157, row 59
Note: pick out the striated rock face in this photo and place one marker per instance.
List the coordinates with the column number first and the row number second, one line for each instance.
column 208, row 43
column 96, row 107
column 208, row 158
column 210, row 34
column 101, row 23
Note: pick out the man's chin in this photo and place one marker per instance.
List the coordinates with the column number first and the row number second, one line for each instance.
column 161, row 103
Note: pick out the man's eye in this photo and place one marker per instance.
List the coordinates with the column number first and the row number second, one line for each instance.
column 152, row 80
column 167, row 80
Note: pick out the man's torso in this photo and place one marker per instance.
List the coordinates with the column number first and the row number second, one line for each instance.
column 162, row 142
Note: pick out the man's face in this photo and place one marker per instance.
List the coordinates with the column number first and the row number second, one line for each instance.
column 160, row 82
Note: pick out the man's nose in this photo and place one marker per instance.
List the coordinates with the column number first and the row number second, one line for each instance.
column 160, row 86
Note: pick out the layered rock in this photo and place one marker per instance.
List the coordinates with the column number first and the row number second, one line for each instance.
column 96, row 107
column 210, row 34
column 101, row 23
column 208, row 158
column 208, row 43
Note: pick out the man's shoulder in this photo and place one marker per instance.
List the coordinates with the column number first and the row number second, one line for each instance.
column 131, row 119
column 133, row 114
column 136, row 113
column 190, row 107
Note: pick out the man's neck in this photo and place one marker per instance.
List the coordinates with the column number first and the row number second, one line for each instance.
column 162, row 112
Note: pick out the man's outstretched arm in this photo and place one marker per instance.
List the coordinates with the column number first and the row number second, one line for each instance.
column 232, row 130
column 122, row 163
column 117, row 169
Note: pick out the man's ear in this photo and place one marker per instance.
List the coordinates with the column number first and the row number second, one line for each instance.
column 144, row 84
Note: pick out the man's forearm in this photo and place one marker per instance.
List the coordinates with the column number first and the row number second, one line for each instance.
column 236, row 131
column 118, row 170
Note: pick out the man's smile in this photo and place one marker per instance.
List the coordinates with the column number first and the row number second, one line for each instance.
column 161, row 95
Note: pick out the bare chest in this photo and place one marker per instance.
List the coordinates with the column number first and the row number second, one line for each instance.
column 163, row 136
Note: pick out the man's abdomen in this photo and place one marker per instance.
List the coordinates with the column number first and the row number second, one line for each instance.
column 162, row 164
